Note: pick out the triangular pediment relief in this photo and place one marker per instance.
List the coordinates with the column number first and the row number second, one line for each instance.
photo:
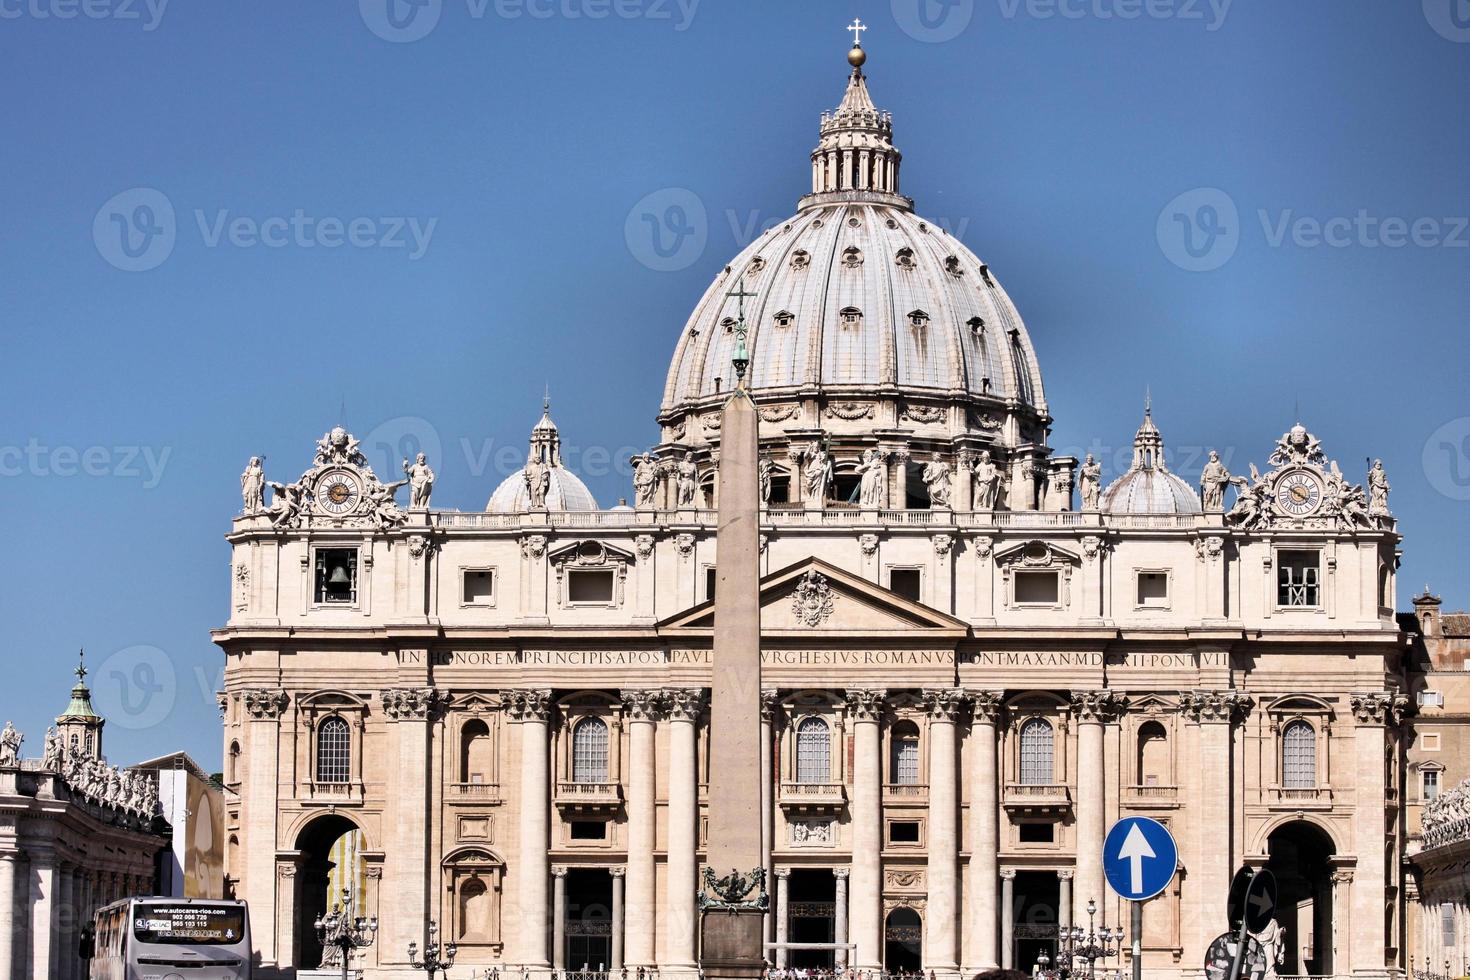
column 812, row 597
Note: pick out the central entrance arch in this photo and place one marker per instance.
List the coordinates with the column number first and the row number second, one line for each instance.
column 903, row 941
column 1301, row 858
column 331, row 859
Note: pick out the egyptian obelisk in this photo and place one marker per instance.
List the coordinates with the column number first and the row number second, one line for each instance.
column 732, row 923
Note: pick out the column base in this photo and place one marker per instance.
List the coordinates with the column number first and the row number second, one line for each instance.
column 733, row 945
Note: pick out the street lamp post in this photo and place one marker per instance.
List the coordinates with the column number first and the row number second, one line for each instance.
column 341, row 931
column 435, row 960
column 1075, row 944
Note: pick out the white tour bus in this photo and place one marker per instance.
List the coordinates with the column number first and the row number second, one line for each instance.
column 152, row 938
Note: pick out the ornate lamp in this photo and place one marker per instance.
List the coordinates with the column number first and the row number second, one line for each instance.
column 1076, row 944
column 338, row 930
column 436, row 960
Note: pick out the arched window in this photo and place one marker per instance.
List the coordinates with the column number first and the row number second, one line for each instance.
column 1299, row 756
column 474, row 752
column 1036, row 753
column 1153, row 755
column 232, row 775
column 589, row 751
column 474, row 909
column 903, row 754
column 333, row 751
column 813, row 752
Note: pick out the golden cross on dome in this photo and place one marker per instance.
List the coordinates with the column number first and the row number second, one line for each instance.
column 857, row 27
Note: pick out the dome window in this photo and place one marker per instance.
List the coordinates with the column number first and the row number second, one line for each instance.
column 976, row 325
column 918, row 319
column 728, row 323
column 985, row 274
column 952, row 265
column 891, row 224
column 784, row 318
column 851, row 316
column 905, row 258
column 756, row 265
column 854, row 223
column 800, row 259
column 852, row 257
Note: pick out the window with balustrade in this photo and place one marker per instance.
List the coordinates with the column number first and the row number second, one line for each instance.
column 1299, row 756
column 589, row 751
column 1037, row 746
column 903, row 755
column 813, row 751
column 333, row 751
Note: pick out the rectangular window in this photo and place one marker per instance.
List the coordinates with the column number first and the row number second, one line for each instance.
column 1429, row 780
column 903, row 832
column 1447, row 925
column 479, row 587
column 1037, row 588
column 1037, row 833
column 589, row 830
column 590, row 587
column 709, row 583
column 1299, row 578
column 1429, row 741
column 1153, row 590
column 1431, row 699
column 905, row 581
column 336, row 575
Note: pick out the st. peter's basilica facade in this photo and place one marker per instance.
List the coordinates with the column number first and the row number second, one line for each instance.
column 976, row 656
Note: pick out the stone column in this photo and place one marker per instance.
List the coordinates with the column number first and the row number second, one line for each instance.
column 798, row 484
column 643, row 709
column 618, row 919
column 900, row 499
column 1371, row 714
column 532, row 710
column 258, row 818
column 559, row 918
column 1007, row 919
column 1064, row 898
column 11, row 924
column 783, row 881
column 685, row 707
column 64, row 917
column 1342, row 926
column 866, row 708
column 1212, row 865
column 839, row 915
column 941, row 919
column 981, row 898
column 43, row 912
column 412, row 710
column 1093, row 708
column 769, row 707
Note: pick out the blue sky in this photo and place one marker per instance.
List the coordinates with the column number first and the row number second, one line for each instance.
column 412, row 219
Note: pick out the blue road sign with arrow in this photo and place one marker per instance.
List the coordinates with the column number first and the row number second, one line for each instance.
column 1139, row 858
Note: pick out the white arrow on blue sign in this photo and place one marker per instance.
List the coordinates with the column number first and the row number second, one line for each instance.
column 1139, row 858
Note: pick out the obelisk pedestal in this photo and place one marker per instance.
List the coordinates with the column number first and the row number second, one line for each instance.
column 732, row 924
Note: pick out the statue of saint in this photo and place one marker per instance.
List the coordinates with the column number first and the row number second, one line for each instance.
column 10, row 740
column 873, row 488
column 1090, row 479
column 688, row 477
column 645, row 480
column 1378, row 488
column 937, row 478
column 420, row 482
column 538, row 480
column 763, row 472
column 819, row 475
column 252, row 487
column 1212, row 483
column 1273, row 944
column 285, row 503
column 51, row 757
column 987, row 482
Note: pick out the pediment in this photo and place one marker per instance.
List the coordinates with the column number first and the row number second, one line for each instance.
column 813, row 597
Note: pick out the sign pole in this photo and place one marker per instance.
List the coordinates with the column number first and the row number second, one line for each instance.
column 1135, row 926
column 1239, row 957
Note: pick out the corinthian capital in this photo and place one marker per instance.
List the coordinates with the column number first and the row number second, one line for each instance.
column 529, row 705
column 987, row 705
column 412, row 703
column 685, row 704
column 945, row 704
column 265, row 703
column 645, row 705
column 1098, row 706
column 1379, row 707
column 1214, row 705
column 866, row 705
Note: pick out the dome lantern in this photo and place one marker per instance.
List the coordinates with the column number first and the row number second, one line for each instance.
column 1148, row 487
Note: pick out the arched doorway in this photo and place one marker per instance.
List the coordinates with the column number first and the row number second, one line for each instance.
column 903, row 941
column 331, row 859
column 1301, row 858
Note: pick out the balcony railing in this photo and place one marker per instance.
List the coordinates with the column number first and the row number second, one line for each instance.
column 808, row 796
column 588, row 795
column 1037, row 796
column 907, row 791
column 1152, row 793
column 333, row 792
column 787, row 515
column 1300, row 796
column 475, row 792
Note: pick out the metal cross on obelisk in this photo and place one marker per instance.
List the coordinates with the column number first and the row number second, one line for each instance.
column 741, row 360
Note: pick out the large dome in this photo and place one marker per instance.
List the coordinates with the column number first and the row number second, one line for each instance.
column 855, row 295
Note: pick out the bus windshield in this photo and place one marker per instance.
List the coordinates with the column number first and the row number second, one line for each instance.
column 191, row 924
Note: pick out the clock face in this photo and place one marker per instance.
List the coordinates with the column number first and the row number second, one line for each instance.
column 1299, row 493
column 338, row 492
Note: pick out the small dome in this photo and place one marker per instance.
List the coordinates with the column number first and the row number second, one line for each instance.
column 1148, row 487
column 564, row 490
